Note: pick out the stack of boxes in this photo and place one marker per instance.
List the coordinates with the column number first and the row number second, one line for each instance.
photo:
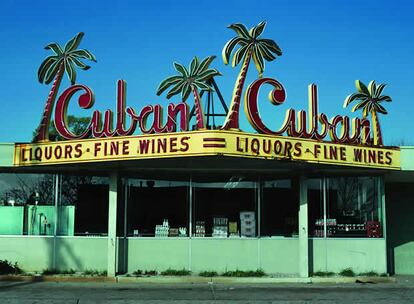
column 165, row 230
column 162, row 230
column 373, row 229
column 351, row 228
column 200, row 229
column 220, row 227
column 331, row 226
column 247, row 224
column 173, row 232
column 233, row 231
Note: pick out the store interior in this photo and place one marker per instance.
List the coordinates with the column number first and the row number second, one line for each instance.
column 209, row 205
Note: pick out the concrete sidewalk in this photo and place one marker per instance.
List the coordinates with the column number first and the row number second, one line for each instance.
column 405, row 280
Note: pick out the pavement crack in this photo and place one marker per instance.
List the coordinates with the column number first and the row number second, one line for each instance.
column 212, row 291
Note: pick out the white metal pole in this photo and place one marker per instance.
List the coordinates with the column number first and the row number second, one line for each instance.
column 303, row 228
column 112, row 213
column 56, row 213
column 190, row 226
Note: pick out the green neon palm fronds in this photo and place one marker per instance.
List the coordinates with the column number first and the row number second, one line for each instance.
column 68, row 57
column 260, row 49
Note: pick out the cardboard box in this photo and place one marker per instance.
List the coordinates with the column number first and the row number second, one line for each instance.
column 247, row 215
column 248, row 223
column 248, row 231
column 233, row 227
column 173, row 232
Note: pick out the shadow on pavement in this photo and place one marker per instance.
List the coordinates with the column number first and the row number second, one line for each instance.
column 7, row 285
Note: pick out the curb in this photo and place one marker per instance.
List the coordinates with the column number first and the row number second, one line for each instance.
column 360, row 279
column 164, row 279
column 264, row 280
column 196, row 279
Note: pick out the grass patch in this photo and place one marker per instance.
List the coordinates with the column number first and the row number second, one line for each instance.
column 140, row 272
column 369, row 274
column 323, row 274
column 93, row 272
column 150, row 272
column 7, row 267
column 208, row 274
column 56, row 271
column 347, row 272
column 174, row 272
column 50, row 271
column 241, row 274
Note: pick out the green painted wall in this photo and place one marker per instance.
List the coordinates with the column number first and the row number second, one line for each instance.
column 400, row 227
column 155, row 254
column 407, row 158
column 362, row 255
column 226, row 254
column 32, row 253
column 66, row 220
column 279, row 255
column 274, row 256
column 404, row 258
column 208, row 254
column 81, row 253
column 11, row 222
column 6, row 155
column 36, row 253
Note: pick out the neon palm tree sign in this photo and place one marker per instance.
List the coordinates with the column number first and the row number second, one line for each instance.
column 54, row 67
column 248, row 46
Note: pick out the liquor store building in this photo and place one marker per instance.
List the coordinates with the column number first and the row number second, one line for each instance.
column 210, row 211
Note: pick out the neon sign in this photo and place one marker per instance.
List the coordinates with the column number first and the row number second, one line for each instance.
column 247, row 46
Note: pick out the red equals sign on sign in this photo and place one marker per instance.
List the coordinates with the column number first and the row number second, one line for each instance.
column 214, row 142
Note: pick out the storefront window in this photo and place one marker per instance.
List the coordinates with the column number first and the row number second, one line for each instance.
column 157, row 208
column 279, row 209
column 316, row 207
column 225, row 207
column 217, row 206
column 27, row 204
column 353, row 204
column 83, row 205
column 344, row 207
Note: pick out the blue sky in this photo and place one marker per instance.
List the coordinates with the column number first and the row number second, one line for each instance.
column 330, row 43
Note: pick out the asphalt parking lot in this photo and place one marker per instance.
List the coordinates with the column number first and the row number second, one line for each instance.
column 80, row 293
